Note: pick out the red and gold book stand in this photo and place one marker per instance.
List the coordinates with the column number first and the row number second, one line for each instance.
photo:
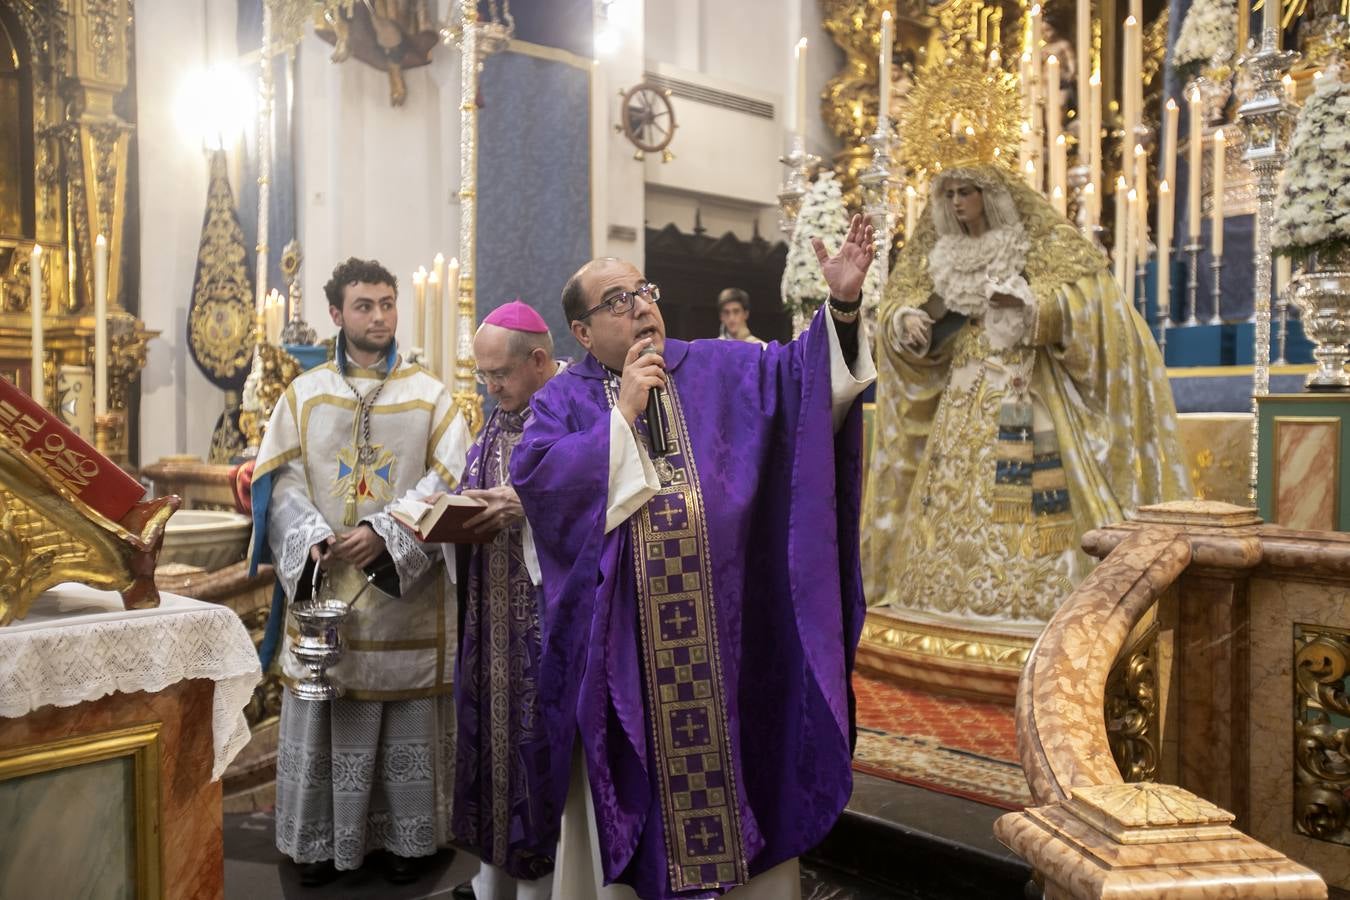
column 68, row 513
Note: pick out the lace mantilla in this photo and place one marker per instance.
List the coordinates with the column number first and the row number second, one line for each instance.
column 78, row 644
column 963, row 266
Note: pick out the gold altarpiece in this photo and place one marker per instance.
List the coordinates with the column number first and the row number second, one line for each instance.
column 64, row 73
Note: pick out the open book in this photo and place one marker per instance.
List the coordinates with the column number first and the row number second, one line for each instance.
column 442, row 522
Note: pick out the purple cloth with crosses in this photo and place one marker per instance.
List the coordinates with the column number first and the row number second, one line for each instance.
column 779, row 493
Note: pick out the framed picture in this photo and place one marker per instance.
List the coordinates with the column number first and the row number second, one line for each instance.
column 81, row 817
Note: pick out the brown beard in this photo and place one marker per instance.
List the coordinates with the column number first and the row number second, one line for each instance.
column 366, row 346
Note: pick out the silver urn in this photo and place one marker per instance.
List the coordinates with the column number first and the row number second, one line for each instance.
column 318, row 646
column 1322, row 295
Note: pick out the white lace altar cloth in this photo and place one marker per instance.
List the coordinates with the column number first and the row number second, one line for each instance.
column 78, row 644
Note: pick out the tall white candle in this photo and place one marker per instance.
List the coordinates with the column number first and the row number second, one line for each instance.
column 1141, row 203
column 37, row 375
column 1057, row 200
column 1082, row 42
column 1118, row 247
column 911, row 211
column 1131, row 244
column 1171, row 120
column 884, row 64
column 1130, row 114
column 420, row 309
column 1165, row 250
column 1054, row 116
column 1033, row 176
column 800, row 60
column 1194, row 162
column 1035, row 40
column 1270, row 19
column 433, row 356
column 451, row 320
column 1089, row 205
column 1060, row 157
column 1216, row 206
column 100, row 326
column 1283, row 273
column 1094, row 140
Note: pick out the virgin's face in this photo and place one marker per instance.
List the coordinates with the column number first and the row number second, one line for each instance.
column 967, row 203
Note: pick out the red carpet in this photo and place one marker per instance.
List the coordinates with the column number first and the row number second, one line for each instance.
column 963, row 747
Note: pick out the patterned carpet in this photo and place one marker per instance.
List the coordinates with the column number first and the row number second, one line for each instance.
column 962, row 747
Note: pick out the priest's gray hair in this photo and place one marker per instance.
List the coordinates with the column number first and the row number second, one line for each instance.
column 521, row 344
column 999, row 209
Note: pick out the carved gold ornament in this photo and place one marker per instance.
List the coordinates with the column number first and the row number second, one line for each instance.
column 1321, row 740
column 49, row 535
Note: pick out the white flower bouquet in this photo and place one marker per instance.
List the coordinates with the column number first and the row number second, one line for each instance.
column 1208, row 38
column 1312, row 214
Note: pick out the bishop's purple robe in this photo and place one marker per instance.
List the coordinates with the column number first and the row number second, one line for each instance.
column 501, row 755
column 705, row 644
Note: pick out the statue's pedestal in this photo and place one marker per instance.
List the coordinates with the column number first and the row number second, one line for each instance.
column 943, row 658
column 115, row 727
column 1304, row 461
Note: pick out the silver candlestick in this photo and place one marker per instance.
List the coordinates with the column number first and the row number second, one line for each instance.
column 1141, row 286
column 1267, row 118
column 878, row 207
column 1192, row 282
column 795, row 183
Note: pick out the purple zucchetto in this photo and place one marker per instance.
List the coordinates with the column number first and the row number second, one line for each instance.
column 517, row 316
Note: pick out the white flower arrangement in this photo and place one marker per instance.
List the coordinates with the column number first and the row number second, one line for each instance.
column 1208, row 37
column 1313, row 212
column 822, row 216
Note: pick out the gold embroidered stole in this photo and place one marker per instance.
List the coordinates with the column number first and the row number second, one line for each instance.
column 682, row 668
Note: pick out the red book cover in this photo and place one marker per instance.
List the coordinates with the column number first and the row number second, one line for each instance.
column 67, row 458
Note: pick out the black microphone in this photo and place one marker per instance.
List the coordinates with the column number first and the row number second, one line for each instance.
column 656, row 423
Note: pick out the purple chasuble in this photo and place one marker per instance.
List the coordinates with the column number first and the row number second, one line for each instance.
column 501, row 758
column 705, row 646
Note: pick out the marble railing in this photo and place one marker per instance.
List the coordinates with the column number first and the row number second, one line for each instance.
column 1189, row 603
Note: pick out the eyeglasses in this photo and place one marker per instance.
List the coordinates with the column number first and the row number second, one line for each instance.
column 498, row 378
column 622, row 303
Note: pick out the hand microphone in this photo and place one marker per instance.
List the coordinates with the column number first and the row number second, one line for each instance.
column 656, row 423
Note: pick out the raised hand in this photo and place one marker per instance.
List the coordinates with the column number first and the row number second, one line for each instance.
column 845, row 271
column 640, row 375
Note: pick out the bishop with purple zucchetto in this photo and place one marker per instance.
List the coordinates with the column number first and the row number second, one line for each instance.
column 702, row 593
column 501, row 755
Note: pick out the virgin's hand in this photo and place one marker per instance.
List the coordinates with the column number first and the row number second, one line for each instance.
column 503, row 509
column 914, row 329
column 640, row 375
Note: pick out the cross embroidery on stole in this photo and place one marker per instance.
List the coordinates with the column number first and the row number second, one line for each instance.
column 683, row 673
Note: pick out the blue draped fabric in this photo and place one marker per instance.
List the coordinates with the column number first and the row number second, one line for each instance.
column 534, row 183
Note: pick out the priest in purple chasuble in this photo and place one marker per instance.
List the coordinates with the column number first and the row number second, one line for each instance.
column 501, row 758
column 702, row 606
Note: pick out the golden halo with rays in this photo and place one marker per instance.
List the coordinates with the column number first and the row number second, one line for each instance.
column 962, row 111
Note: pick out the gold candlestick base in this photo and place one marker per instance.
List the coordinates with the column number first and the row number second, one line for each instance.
column 110, row 434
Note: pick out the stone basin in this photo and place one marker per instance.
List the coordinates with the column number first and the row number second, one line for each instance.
column 205, row 538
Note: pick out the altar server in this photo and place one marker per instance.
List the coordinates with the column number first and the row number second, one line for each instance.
column 369, row 771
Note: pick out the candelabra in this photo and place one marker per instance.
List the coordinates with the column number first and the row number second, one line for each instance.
column 795, row 182
column 476, row 39
column 1192, row 282
column 1267, row 119
column 878, row 206
column 266, row 99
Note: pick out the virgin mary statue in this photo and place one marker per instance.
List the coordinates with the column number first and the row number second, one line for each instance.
column 1020, row 403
